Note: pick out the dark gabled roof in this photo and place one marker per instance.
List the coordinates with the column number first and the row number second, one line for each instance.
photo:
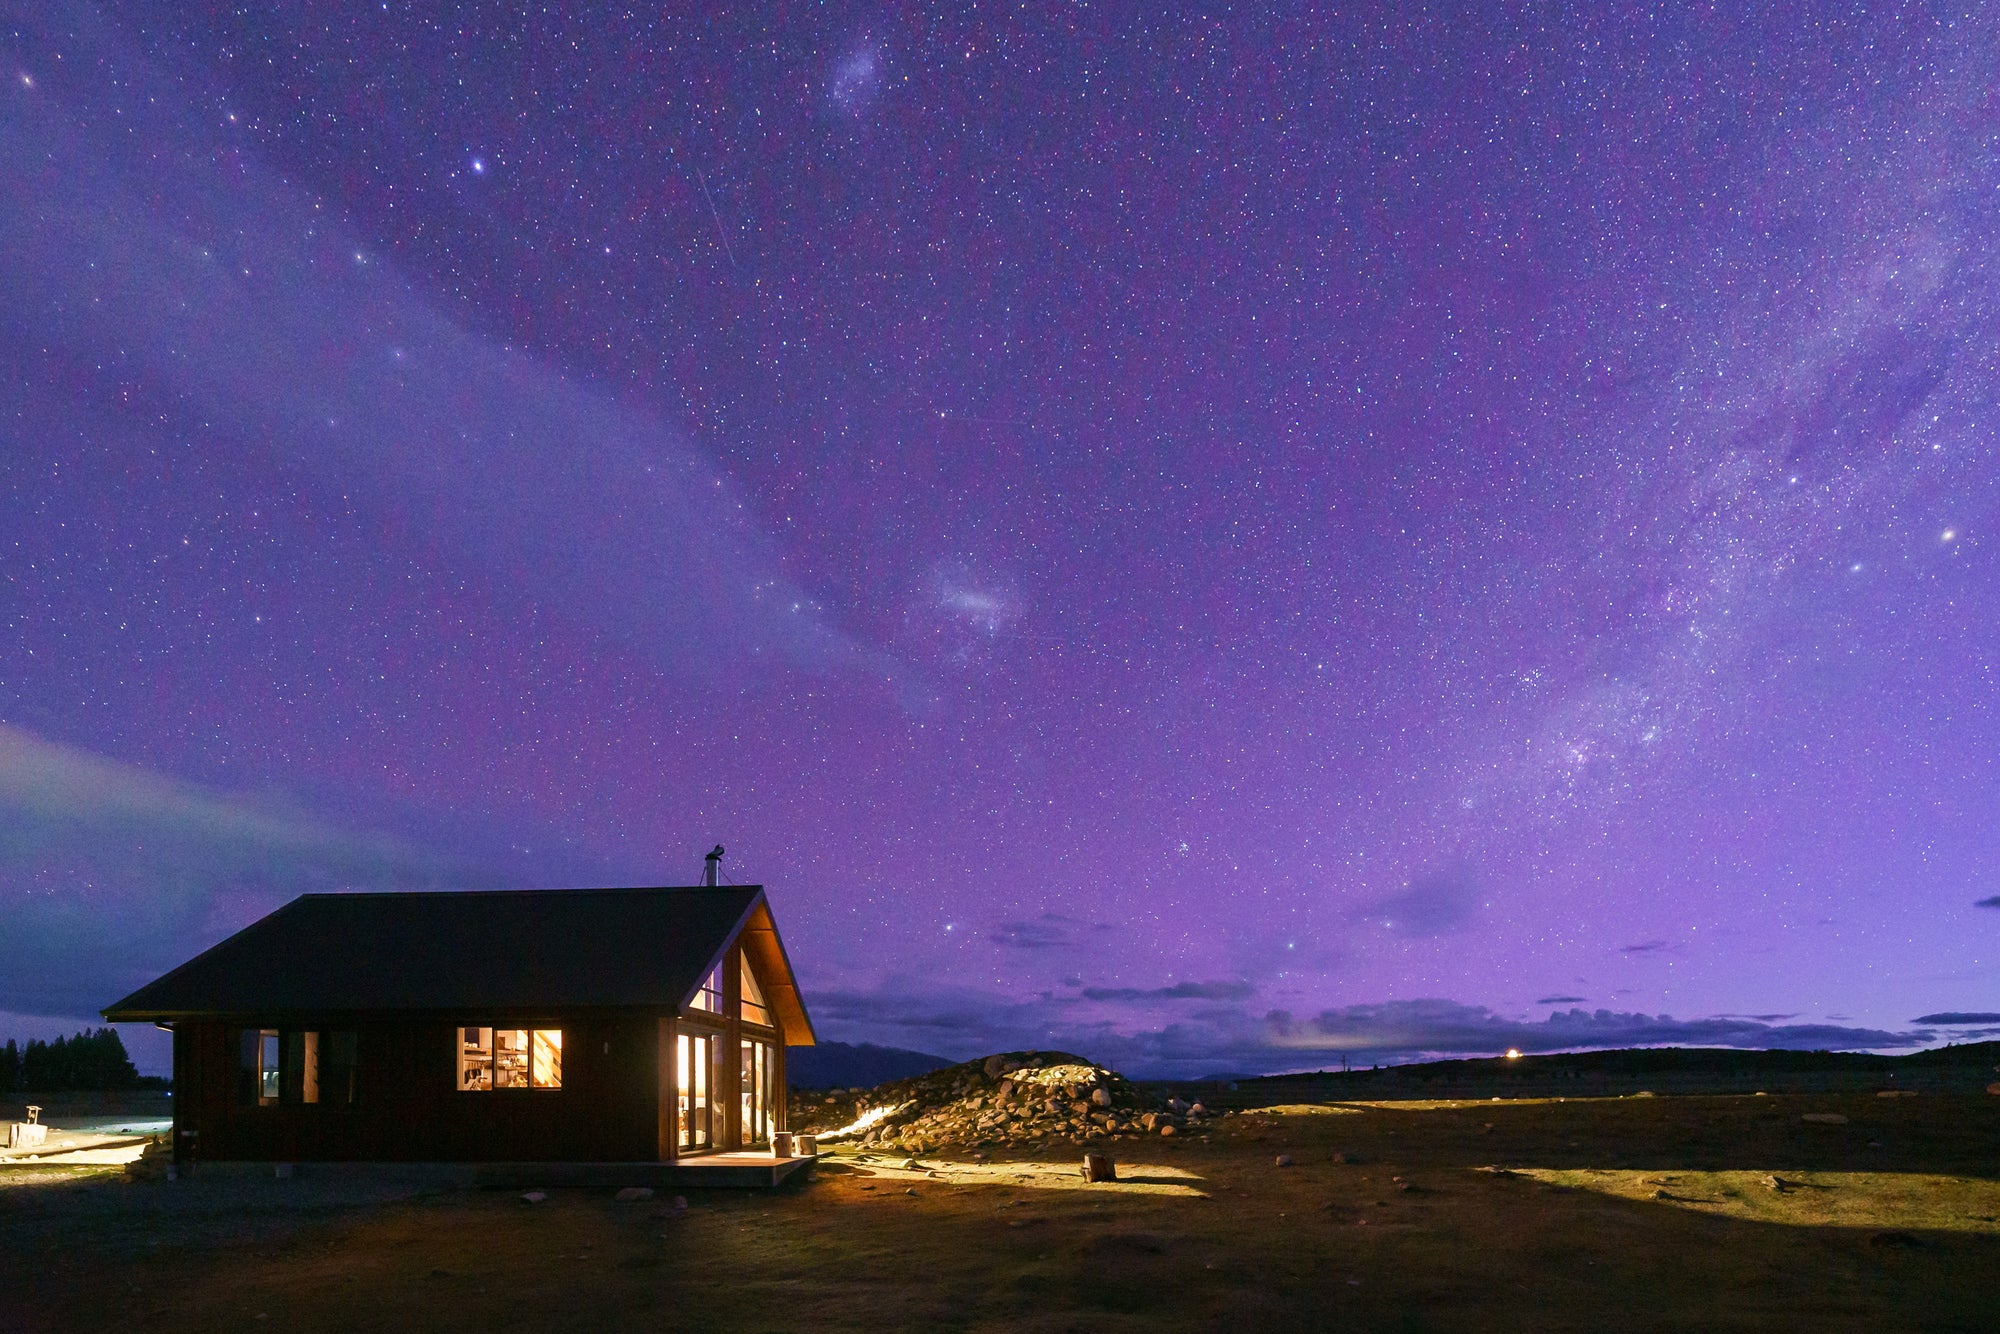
column 512, row 950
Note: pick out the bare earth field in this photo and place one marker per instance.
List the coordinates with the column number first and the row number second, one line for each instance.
column 1588, row 1214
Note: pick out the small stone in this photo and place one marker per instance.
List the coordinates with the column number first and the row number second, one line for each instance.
column 534, row 1196
column 630, row 1193
column 1825, row 1118
column 910, row 1165
column 1283, row 1160
column 1101, row 1097
column 1168, row 1129
column 678, row 1204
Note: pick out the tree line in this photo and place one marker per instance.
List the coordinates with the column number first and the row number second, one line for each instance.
column 93, row 1059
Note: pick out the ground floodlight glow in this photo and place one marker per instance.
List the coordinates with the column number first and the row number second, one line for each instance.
column 872, row 1117
column 1513, row 1053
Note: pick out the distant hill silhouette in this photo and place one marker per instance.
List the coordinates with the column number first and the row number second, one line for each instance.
column 1964, row 1068
column 836, row 1065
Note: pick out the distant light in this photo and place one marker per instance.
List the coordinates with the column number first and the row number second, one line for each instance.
column 1513, row 1053
column 1948, row 535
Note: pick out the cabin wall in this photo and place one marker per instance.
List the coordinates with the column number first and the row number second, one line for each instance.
column 408, row 1107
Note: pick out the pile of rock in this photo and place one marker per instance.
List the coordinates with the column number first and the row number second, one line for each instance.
column 1008, row 1098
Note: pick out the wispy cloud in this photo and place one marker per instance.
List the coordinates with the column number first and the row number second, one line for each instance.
column 110, row 873
column 1230, row 1038
column 1212, row 991
column 1562, row 1000
column 1958, row 1017
column 136, row 239
column 1993, row 902
column 1646, row 947
column 1050, row 931
column 1441, row 1027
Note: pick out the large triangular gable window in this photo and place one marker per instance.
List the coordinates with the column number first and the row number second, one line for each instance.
column 754, row 1009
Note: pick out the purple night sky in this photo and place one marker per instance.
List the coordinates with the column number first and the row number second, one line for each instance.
column 1215, row 541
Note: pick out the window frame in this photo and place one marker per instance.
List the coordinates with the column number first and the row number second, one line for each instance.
column 748, row 981
column 529, row 1031
column 303, row 1059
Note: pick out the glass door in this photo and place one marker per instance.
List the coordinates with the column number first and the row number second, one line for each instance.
column 694, row 1116
column 759, row 1084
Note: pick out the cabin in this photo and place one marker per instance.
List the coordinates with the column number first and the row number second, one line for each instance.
column 606, row 1026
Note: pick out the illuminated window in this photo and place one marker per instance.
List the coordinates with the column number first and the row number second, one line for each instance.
column 545, row 1059
column 475, row 1059
column 759, row 1088
column 710, row 996
column 754, row 1009
column 694, row 1117
column 509, row 1058
column 302, row 1065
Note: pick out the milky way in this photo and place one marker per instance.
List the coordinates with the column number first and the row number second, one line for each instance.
column 1213, row 541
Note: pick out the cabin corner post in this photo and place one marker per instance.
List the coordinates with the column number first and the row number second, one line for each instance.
column 781, row 1111
column 177, row 1091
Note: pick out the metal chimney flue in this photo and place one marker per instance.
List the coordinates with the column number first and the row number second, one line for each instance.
column 711, row 868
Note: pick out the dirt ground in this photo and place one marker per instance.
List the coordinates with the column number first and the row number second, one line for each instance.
column 1588, row 1214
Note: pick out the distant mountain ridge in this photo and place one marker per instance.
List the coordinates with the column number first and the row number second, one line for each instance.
column 835, row 1065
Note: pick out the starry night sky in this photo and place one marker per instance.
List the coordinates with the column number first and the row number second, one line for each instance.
column 1219, row 540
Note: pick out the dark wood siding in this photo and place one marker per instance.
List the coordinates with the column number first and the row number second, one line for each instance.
column 408, row 1108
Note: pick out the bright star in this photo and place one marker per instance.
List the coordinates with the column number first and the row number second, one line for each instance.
column 479, row 166
column 1948, row 535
